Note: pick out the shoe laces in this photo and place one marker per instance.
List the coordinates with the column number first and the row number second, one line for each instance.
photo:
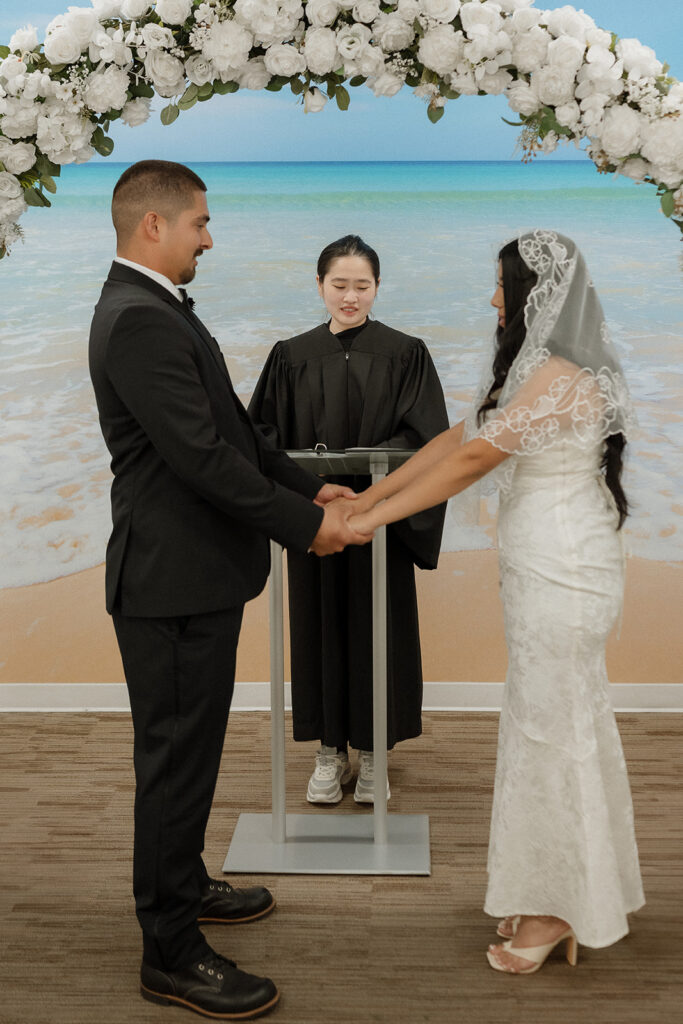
column 326, row 766
column 214, row 964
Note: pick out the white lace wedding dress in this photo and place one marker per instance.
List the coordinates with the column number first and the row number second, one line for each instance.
column 562, row 835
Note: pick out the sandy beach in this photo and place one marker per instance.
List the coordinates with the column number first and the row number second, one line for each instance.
column 59, row 632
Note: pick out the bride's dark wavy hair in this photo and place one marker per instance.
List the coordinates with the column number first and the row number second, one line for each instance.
column 518, row 281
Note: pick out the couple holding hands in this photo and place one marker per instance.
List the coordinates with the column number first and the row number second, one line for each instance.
column 200, row 486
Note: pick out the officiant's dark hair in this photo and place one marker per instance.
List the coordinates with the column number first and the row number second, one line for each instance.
column 160, row 185
column 518, row 281
column 349, row 245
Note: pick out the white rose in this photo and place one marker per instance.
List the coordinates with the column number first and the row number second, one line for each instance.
column 166, row 73
column 663, row 146
column 566, row 54
column 510, row 6
column 19, row 122
column 522, row 98
column 320, row 50
column 530, row 49
column 393, row 33
column 408, row 9
column 522, row 21
column 494, row 83
column 136, row 111
column 17, row 157
column 284, row 60
column 386, row 84
column 553, row 86
column 321, row 13
column 10, row 187
column 440, row 10
column 464, row 82
column 566, row 21
column 156, row 37
column 592, row 111
column 199, row 70
column 254, row 74
column 598, row 37
column 639, row 61
column 352, row 40
column 24, row 40
column 105, row 9
column 133, row 10
column 480, row 19
column 366, row 10
column 228, row 45
column 370, row 64
column 106, row 90
column 62, row 47
column 346, row 5
column 636, row 169
column 549, row 143
column 82, row 21
column 441, row 48
column 568, row 115
column 174, row 12
column 12, row 67
column 314, row 101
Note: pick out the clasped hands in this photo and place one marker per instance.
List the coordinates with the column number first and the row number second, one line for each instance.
column 339, row 504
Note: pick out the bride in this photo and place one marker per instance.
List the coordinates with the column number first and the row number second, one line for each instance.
column 549, row 426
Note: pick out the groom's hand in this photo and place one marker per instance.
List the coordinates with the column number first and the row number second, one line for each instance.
column 335, row 533
column 328, row 492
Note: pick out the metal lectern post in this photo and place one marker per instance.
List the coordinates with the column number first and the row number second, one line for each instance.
column 323, row 842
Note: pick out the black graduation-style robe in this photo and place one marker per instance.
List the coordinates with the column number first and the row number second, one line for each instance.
column 366, row 387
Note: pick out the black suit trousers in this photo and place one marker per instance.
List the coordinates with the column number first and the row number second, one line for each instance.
column 180, row 675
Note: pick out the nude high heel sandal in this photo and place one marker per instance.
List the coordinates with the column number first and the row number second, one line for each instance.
column 538, row 954
column 511, row 930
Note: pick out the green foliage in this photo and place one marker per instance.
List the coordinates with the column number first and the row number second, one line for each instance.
column 4, row 52
column 169, row 114
column 668, row 203
column 222, row 88
column 342, row 97
column 101, row 143
column 297, row 86
column 35, row 198
column 435, row 113
column 189, row 97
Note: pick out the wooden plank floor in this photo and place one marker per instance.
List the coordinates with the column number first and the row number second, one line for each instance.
column 342, row 949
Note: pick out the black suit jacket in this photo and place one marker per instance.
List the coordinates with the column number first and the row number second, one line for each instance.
column 197, row 491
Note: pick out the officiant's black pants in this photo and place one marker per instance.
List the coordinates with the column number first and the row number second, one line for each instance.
column 180, row 675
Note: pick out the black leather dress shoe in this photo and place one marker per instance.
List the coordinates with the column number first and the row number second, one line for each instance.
column 213, row 987
column 221, row 904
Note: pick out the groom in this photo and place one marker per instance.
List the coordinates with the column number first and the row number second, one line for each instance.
column 196, row 494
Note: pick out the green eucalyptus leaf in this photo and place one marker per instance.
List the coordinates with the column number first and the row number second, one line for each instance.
column 273, row 86
column 4, row 52
column 435, row 113
column 357, row 80
column 190, row 93
column 668, row 203
column 205, row 91
column 297, row 86
column 186, row 103
column 223, row 88
column 169, row 114
column 35, row 198
column 47, row 182
column 342, row 97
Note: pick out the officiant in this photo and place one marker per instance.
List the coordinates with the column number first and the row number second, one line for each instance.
column 353, row 382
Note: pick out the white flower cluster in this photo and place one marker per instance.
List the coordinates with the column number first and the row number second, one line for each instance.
column 566, row 78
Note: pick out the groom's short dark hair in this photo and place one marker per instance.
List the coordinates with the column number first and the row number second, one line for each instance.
column 160, row 186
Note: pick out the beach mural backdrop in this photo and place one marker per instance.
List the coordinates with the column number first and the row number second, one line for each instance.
column 437, row 227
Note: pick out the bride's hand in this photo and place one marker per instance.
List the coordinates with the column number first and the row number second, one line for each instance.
column 361, row 523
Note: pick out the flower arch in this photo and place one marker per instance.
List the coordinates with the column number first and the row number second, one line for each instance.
column 565, row 78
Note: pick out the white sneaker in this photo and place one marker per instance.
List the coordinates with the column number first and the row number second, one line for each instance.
column 365, row 784
column 332, row 769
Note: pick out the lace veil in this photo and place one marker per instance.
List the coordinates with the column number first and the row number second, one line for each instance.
column 566, row 383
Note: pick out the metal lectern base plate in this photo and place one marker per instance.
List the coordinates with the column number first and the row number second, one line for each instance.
column 330, row 844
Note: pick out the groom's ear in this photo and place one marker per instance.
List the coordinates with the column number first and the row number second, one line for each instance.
column 151, row 227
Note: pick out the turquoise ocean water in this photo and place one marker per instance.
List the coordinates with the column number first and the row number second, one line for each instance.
column 436, row 226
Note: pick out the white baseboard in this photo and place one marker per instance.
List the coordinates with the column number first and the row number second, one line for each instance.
column 256, row 697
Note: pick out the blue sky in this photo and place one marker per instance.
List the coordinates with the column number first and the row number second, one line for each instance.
column 271, row 126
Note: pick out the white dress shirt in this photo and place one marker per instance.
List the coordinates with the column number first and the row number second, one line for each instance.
column 161, row 279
